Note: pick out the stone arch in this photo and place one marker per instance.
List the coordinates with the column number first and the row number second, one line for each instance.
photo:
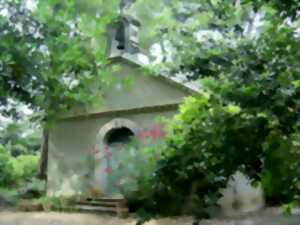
column 116, row 124
column 102, row 180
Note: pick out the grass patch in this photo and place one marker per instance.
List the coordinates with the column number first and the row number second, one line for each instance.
column 8, row 192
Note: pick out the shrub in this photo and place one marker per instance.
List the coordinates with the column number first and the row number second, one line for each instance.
column 139, row 167
column 132, row 175
column 246, row 118
column 45, row 204
column 281, row 175
column 211, row 140
column 29, row 205
column 6, row 167
column 55, row 203
column 34, row 188
column 25, row 167
column 15, row 171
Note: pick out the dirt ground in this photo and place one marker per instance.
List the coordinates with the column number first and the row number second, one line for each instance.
column 38, row 218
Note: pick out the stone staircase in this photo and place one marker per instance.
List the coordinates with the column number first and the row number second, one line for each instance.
column 116, row 206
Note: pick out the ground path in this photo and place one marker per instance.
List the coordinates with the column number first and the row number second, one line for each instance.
column 37, row 218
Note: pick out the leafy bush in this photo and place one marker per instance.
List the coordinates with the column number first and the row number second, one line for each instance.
column 21, row 137
column 6, row 167
column 15, row 171
column 34, row 188
column 54, row 203
column 25, row 167
column 246, row 118
column 132, row 175
column 46, row 204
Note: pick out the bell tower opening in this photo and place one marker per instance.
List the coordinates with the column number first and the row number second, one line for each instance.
column 123, row 34
column 123, row 37
column 120, row 36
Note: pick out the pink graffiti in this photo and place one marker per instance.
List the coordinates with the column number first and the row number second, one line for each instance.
column 108, row 170
column 144, row 134
column 107, row 155
column 106, row 148
column 155, row 132
column 107, row 152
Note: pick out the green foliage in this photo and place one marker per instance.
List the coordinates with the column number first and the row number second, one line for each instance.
column 60, row 57
column 22, row 137
column 55, row 203
column 286, row 8
column 16, row 171
column 33, row 188
column 46, row 204
column 246, row 118
column 176, row 25
column 140, row 164
column 133, row 175
column 25, row 167
column 6, row 167
column 5, row 191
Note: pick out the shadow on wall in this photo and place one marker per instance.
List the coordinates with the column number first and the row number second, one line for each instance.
column 70, row 180
column 240, row 196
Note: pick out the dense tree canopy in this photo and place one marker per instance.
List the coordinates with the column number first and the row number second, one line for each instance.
column 244, row 53
column 246, row 118
column 245, row 56
column 53, row 53
column 61, row 45
column 177, row 23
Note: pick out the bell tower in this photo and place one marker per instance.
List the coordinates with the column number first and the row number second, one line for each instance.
column 123, row 35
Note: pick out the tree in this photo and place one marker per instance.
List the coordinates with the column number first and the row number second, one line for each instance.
column 21, row 137
column 246, row 118
column 247, row 114
column 285, row 8
column 176, row 27
column 53, row 55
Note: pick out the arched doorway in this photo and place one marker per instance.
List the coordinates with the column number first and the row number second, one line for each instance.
column 117, row 136
column 112, row 140
column 116, row 142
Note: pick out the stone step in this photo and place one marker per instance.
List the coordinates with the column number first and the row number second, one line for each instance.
column 105, row 199
column 98, row 203
column 103, row 205
column 96, row 209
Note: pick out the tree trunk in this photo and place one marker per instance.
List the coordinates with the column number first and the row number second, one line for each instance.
column 43, row 164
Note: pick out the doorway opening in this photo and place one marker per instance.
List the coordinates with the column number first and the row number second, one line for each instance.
column 122, row 135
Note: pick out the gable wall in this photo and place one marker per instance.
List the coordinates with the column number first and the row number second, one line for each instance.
column 72, row 163
column 144, row 90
